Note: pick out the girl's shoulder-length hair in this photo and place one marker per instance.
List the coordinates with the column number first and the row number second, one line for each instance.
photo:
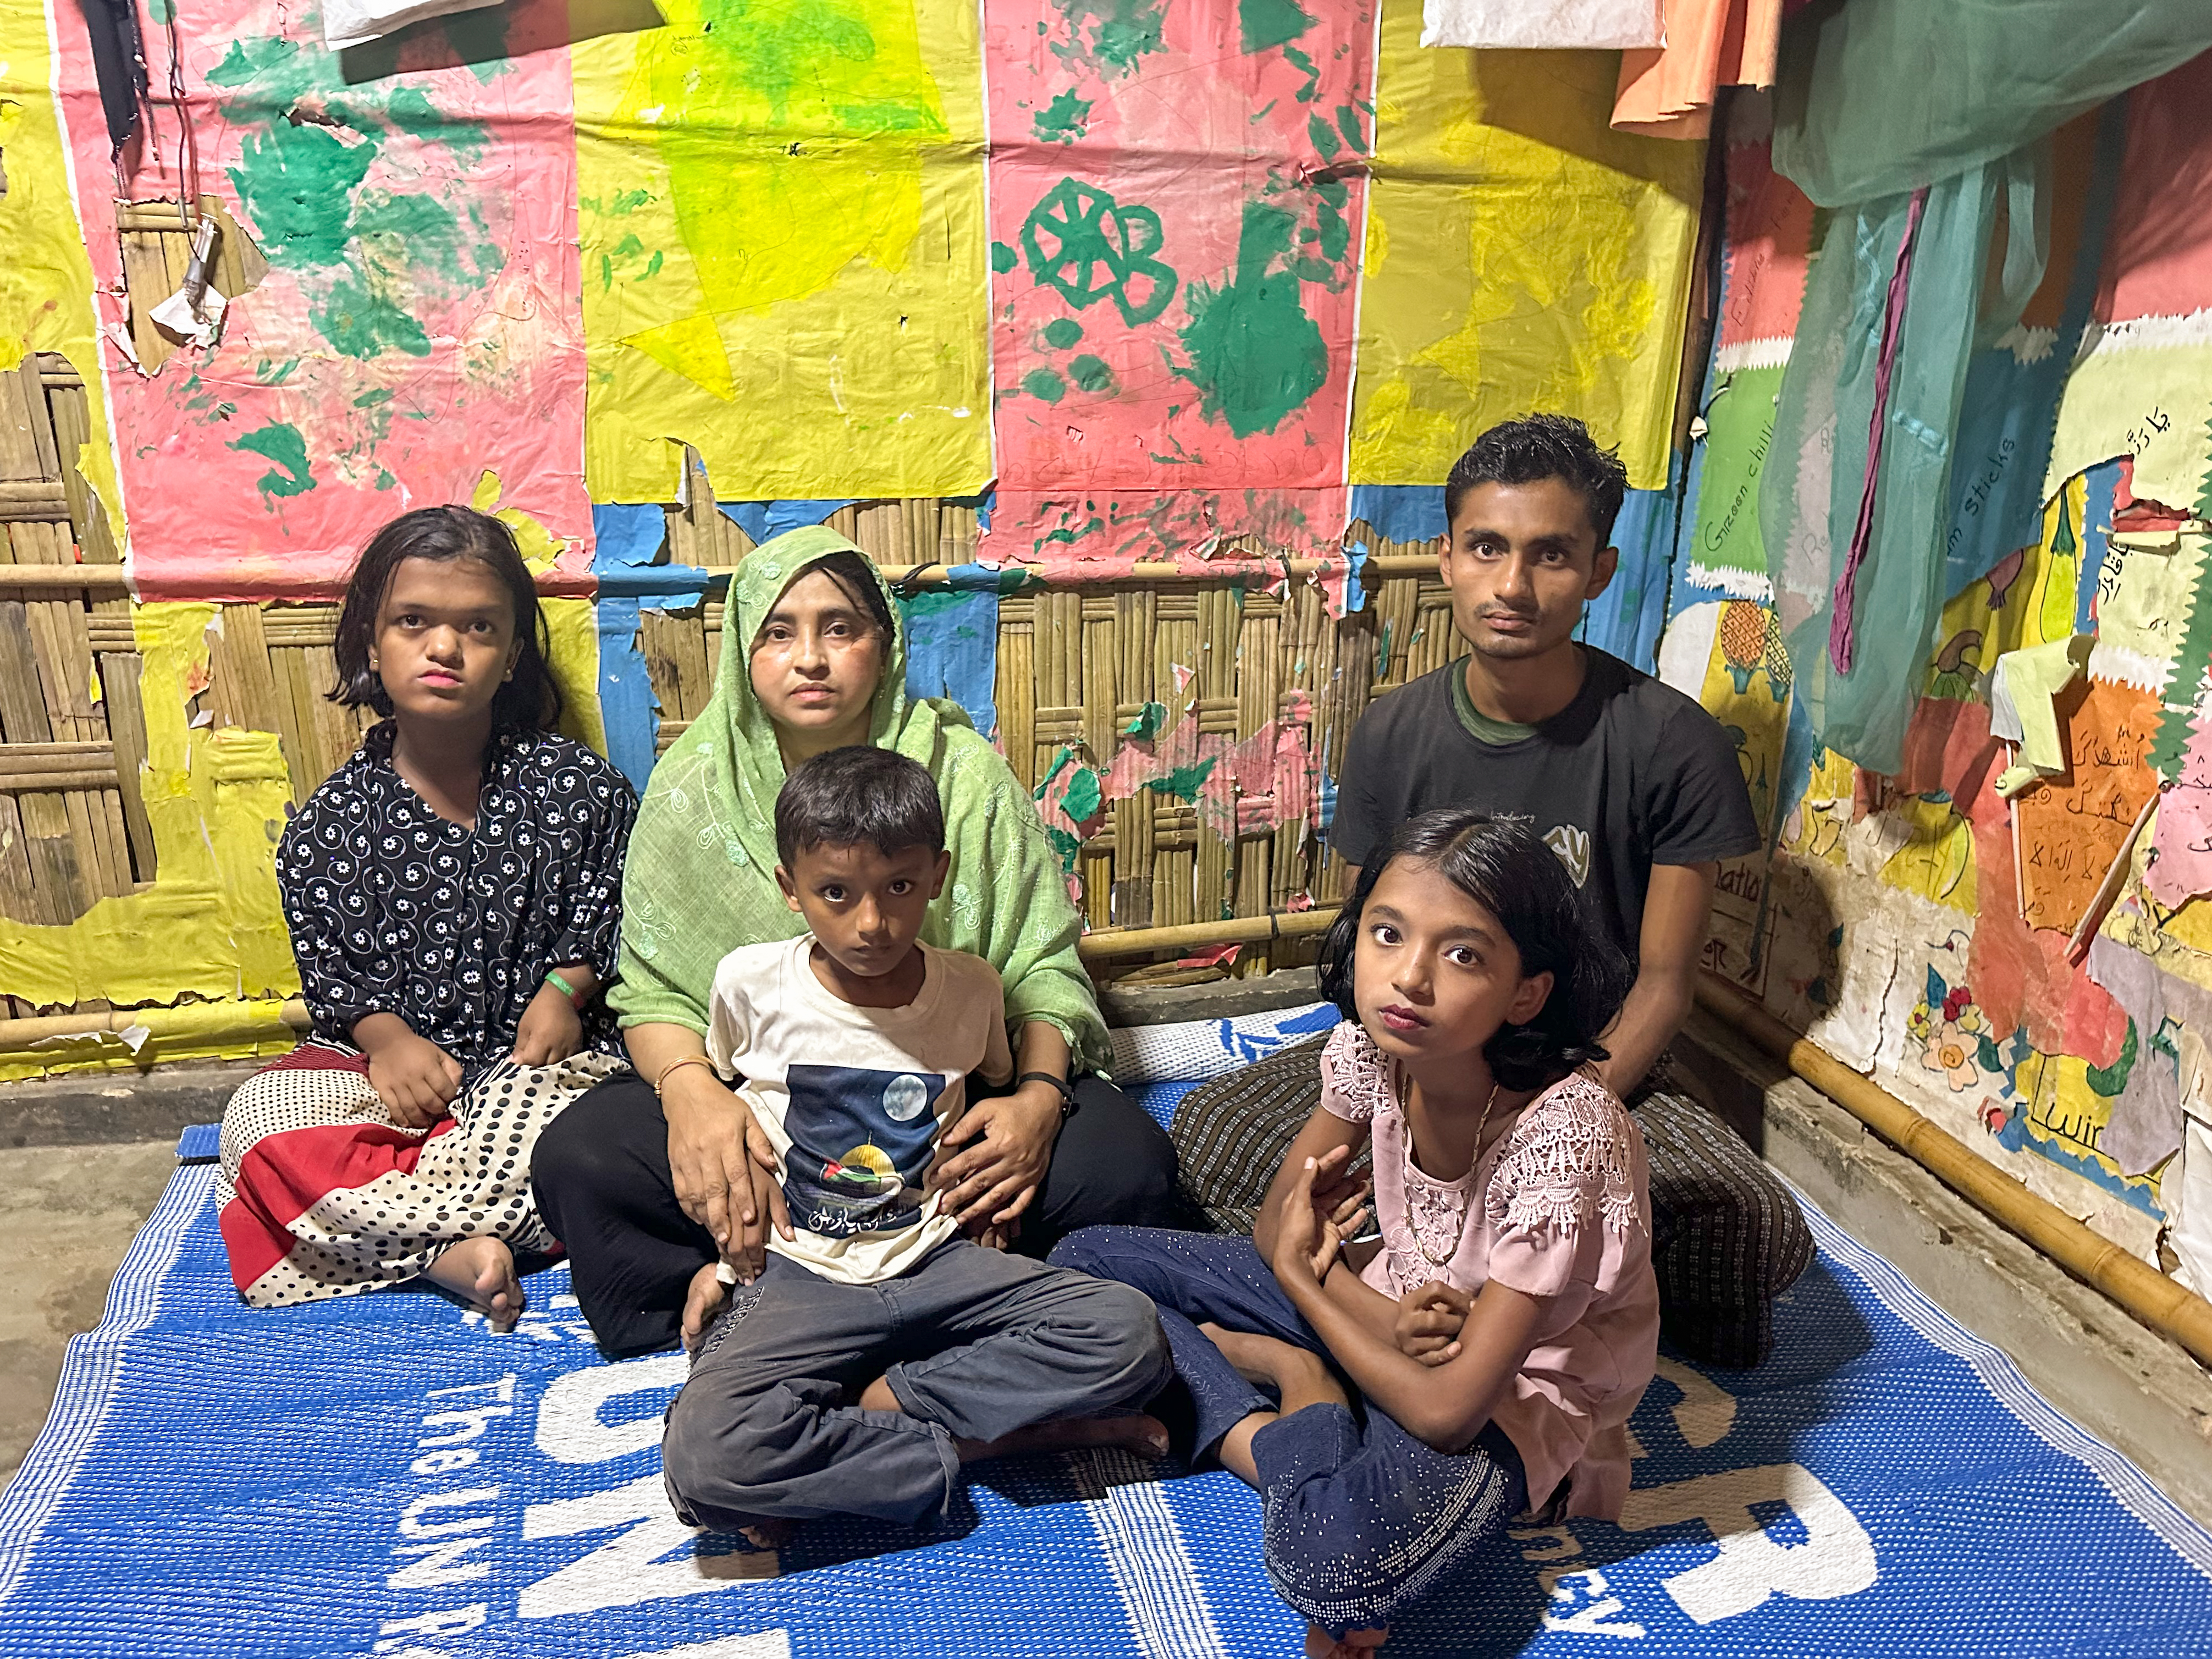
column 530, row 700
column 1502, row 865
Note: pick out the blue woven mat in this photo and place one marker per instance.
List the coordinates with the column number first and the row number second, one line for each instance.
column 384, row 1476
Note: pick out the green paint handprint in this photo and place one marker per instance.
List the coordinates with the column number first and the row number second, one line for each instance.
column 1084, row 243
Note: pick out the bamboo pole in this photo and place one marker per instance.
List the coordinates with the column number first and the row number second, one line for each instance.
column 1107, row 944
column 243, row 1022
column 108, row 579
column 2148, row 1295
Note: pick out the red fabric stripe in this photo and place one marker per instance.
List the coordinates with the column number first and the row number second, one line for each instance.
column 285, row 1175
column 314, row 1057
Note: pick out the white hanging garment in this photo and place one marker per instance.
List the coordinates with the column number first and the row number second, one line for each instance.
column 1542, row 23
column 356, row 22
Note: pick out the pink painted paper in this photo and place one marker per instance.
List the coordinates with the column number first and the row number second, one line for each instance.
column 1768, row 251
column 2159, row 260
column 1176, row 222
column 436, row 336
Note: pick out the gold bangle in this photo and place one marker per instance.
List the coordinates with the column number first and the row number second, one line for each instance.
column 677, row 1065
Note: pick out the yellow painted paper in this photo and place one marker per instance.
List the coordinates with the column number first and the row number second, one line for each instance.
column 212, row 925
column 572, row 629
column 1937, row 859
column 2139, row 394
column 2144, row 600
column 46, row 279
column 2026, row 600
column 784, row 251
column 1520, row 255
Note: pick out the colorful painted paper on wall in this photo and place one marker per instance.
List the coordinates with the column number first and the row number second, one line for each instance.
column 416, row 325
column 781, row 210
column 1520, row 255
column 1176, row 195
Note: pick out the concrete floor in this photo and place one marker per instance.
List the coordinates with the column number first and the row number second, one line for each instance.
column 67, row 1214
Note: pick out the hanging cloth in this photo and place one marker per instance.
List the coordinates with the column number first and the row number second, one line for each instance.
column 118, row 64
column 1668, row 92
column 1832, row 484
column 1879, row 97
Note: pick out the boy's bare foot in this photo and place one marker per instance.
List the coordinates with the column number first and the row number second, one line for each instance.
column 481, row 1272
column 1146, row 1436
column 701, row 1303
column 1355, row 1644
column 769, row 1534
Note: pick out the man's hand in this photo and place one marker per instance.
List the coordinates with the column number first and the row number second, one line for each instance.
column 549, row 1029
column 1429, row 1323
column 992, row 1162
column 415, row 1078
column 724, row 1168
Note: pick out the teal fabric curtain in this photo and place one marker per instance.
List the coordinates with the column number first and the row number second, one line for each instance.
column 1880, row 102
column 1810, row 492
column 1875, row 98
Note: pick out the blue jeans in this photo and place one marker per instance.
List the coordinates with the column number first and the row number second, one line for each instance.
column 975, row 1344
column 1358, row 1517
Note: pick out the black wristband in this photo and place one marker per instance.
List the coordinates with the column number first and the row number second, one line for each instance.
column 1067, row 1089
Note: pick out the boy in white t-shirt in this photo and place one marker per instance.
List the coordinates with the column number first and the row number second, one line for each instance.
column 880, row 1350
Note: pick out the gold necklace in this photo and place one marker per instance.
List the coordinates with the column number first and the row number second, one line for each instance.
column 1406, row 1185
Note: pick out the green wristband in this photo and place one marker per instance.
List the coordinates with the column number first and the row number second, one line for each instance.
column 575, row 999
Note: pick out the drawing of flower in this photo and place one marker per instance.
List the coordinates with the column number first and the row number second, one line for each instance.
column 1959, row 1046
column 1952, row 1053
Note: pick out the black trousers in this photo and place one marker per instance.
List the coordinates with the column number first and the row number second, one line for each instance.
column 600, row 1174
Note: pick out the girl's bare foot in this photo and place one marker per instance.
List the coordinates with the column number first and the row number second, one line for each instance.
column 1302, row 1379
column 1146, row 1436
column 701, row 1303
column 481, row 1272
column 1265, row 1358
column 1355, row 1644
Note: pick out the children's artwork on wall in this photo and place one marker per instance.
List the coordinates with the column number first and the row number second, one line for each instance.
column 416, row 325
column 782, row 220
column 1520, row 254
column 1175, row 214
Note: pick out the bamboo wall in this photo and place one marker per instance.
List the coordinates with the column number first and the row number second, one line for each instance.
column 1076, row 666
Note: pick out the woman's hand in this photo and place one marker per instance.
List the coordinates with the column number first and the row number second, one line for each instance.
column 550, row 1029
column 1309, row 1234
column 724, row 1168
column 1429, row 1321
column 992, row 1162
column 415, row 1078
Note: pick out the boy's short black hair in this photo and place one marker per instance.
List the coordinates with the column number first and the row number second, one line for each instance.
column 1539, row 447
column 1501, row 866
column 858, row 794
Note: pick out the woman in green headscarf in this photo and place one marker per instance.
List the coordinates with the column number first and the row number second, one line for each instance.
column 644, row 1177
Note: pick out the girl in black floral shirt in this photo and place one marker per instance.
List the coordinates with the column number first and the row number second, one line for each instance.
column 453, row 896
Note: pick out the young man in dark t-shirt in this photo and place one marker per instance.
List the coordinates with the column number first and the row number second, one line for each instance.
column 1633, row 785
column 1637, row 790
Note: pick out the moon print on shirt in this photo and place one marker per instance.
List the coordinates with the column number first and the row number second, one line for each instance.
column 860, row 1145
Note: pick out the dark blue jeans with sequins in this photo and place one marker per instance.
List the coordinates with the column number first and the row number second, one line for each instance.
column 1358, row 1517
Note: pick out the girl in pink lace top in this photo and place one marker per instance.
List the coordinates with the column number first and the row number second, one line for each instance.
column 1507, row 1324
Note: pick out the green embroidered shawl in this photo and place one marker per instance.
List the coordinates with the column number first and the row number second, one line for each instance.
column 700, row 876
